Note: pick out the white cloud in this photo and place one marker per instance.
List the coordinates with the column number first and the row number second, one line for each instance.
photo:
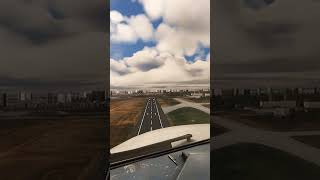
column 118, row 67
column 142, row 26
column 123, row 33
column 186, row 24
column 188, row 14
column 116, row 17
column 162, row 68
column 183, row 13
column 130, row 29
column 177, row 42
column 185, row 30
column 153, row 8
column 144, row 60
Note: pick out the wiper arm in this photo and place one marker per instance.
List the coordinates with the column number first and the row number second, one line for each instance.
column 179, row 138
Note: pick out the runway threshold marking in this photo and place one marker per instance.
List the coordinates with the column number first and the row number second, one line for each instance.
column 158, row 115
column 143, row 118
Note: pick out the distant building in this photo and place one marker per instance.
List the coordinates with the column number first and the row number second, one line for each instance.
column 11, row 99
column 311, row 105
column 98, row 96
column 61, row 98
column 2, row 100
column 227, row 92
column 309, row 91
column 40, row 98
column 217, row 92
column 196, row 95
column 25, row 96
column 52, row 98
column 278, row 104
column 69, row 98
column 200, row 94
column 206, row 94
column 253, row 92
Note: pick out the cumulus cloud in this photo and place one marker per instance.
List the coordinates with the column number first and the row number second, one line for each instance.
column 130, row 29
column 118, row 67
column 154, row 8
column 116, row 17
column 144, row 60
column 186, row 24
column 123, row 33
column 179, row 42
column 184, row 31
column 149, row 67
column 142, row 26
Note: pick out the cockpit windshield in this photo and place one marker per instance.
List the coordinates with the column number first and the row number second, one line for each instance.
column 159, row 75
column 157, row 129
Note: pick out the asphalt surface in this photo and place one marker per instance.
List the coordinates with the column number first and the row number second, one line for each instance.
column 152, row 117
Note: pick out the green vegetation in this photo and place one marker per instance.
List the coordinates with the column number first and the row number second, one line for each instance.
column 188, row 115
column 167, row 101
column 258, row 162
column 199, row 100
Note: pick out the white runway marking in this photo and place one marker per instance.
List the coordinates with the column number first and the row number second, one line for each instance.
column 159, row 115
column 143, row 117
column 151, row 125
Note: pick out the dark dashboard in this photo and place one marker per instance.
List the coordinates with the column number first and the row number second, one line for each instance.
column 187, row 162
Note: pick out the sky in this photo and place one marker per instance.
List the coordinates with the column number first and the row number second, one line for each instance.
column 159, row 44
column 62, row 44
column 266, row 43
column 53, row 44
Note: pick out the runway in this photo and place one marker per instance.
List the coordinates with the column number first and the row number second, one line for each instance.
column 152, row 118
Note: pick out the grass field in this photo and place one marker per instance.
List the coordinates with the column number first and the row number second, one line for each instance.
column 188, row 115
column 198, row 100
column 166, row 101
column 51, row 147
column 258, row 162
column 312, row 140
column 124, row 114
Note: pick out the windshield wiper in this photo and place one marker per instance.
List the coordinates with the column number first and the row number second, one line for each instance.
column 152, row 148
column 133, row 159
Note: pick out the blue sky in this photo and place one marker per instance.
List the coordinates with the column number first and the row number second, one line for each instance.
column 159, row 43
column 120, row 50
column 129, row 8
column 126, row 7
